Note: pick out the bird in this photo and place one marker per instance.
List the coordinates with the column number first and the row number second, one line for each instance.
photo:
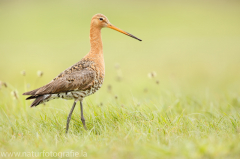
column 81, row 79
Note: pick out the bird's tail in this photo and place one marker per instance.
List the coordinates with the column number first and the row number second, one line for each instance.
column 38, row 99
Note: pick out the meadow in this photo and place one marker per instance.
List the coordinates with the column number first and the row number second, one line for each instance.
column 176, row 94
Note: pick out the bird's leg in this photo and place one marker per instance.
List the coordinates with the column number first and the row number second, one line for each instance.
column 82, row 117
column 69, row 116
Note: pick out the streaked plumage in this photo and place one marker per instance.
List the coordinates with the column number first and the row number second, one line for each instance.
column 83, row 78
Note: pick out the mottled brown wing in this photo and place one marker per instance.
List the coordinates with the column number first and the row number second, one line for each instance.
column 78, row 80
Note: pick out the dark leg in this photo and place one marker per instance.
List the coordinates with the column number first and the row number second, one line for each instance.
column 69, row 116
column 82, row 117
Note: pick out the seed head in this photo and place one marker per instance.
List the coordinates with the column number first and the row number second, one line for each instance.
column 109, row 87
column 23, row 72
column 157, row 81
column 3, row 84
column 39, row 73
column 116, row 97
column 152, row 74
column 14, row 94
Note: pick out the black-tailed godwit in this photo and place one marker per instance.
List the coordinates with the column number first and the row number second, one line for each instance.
column 83, row 78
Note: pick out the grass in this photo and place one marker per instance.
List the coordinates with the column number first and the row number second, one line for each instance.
column 176, row 126
column 190, row 109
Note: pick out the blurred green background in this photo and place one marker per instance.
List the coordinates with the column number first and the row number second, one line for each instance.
column 195, row 44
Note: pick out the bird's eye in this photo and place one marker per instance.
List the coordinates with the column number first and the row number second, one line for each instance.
column 100, row 18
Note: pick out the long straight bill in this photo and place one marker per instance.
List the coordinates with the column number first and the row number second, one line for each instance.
column 121, row 31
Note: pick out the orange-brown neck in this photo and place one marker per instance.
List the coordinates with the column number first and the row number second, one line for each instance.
column 96, row 40
column 96, row 52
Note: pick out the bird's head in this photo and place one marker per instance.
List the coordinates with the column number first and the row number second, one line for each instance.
column 101, row 21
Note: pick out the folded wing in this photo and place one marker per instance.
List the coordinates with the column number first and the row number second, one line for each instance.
column 77, row 80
